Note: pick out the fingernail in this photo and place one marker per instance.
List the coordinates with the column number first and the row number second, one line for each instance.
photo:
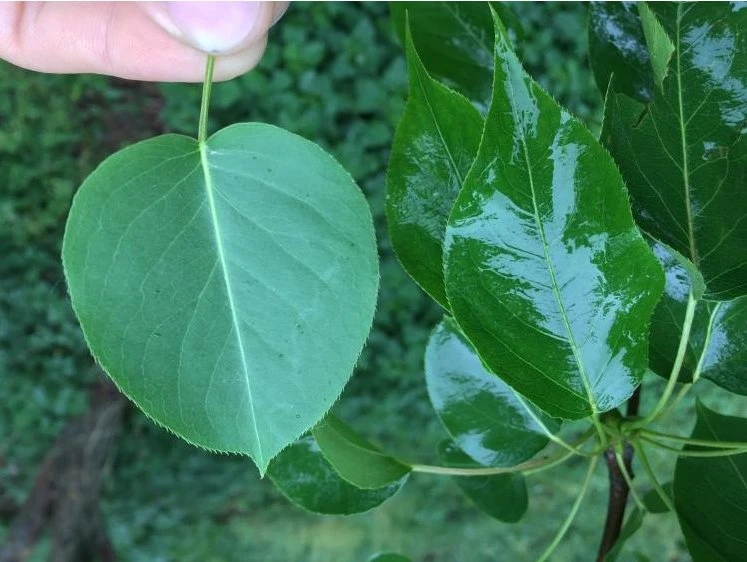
column 213, row 27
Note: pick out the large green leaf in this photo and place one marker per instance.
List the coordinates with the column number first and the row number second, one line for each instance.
column 455, row 41
column 484, row 416
column 617, row 46
column 354, row 458
column 545, row 270
column 683, row 156
column 226, row 288
column 502, row 496
column 434, row 146
column 719, row 328
column 710, row 494
column 305, row 477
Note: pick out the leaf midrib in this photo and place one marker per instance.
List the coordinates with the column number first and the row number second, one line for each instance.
column 548, row 261
column 209, row 189
column 683, row 141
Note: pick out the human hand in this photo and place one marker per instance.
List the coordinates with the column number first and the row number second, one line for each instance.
column 158, row 41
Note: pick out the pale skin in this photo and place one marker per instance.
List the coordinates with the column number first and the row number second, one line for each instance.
column 151, row 41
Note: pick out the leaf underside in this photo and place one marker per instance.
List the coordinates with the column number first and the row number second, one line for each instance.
column 226, row 288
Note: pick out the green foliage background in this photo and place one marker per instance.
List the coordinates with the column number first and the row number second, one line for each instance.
column 335, row 74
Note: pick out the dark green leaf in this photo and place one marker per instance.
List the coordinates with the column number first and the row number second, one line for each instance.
column 545, row 270
column 617, row 46
column 719, row 327
column 684, row 156
column 484, row 416
column 389, row 557
column 305, row 477
column 226, row 288
column 710, row 494
column 455, row 42
column 502, row 496
column 434, row 146
column 355, row 459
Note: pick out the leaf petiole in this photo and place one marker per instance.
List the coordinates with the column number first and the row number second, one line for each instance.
column 676, row 367
column 652, row 476
column 205, row 103
column 529, row 467
column 691, row 453
column 572, row 515
column 690, row 441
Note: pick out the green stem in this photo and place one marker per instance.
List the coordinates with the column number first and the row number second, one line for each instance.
column 572, row 515
column 628, row 480
column 652, row 476
column 529, row 467
column 679, row 359
column 690, row 453
column 691, row 441
column 204, row 106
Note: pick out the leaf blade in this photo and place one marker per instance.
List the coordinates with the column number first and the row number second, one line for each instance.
column 505, row 246
column 181, row 314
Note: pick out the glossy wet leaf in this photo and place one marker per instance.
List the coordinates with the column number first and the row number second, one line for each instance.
column 354, row 458
column 545, row 271
column 617, row 46
column 684, row 156
column 482, row 414
column 710, row 494
column 305, row 477
column 455, row 42
column 719, row 327
column 502, row 496
column 228, row 290
column 434, row 146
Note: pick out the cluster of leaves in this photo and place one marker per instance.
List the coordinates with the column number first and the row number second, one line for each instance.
column 515, row 219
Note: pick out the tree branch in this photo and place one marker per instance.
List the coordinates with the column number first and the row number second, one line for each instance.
column 619, row 490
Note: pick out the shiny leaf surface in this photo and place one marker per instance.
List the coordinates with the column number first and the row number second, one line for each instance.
column 226, row 288
column 545, row 270
column 684, row 156
column 502, row 496
column 354, row 458
column 710, row 494
column 617, row 46
column 483, row 415
column 455, row 42
column 719, row 327
column 305, row 477
column 434, row 146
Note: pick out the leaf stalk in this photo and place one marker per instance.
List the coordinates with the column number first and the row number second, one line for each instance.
column 207, row 86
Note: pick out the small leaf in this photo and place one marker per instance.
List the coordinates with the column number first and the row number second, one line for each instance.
column 502, row 496
column 305, row 477
column 455, row 42
column 545, row 271
column 355, row 459
column 659, row 44
column 710, row 493
column 389, row 557
column 485, row 417
column 617, row 46
column 434, row 146
column 684, row 155
column 227, row 288
column 719, row 327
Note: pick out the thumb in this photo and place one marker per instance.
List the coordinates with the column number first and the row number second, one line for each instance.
column 216, row 27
